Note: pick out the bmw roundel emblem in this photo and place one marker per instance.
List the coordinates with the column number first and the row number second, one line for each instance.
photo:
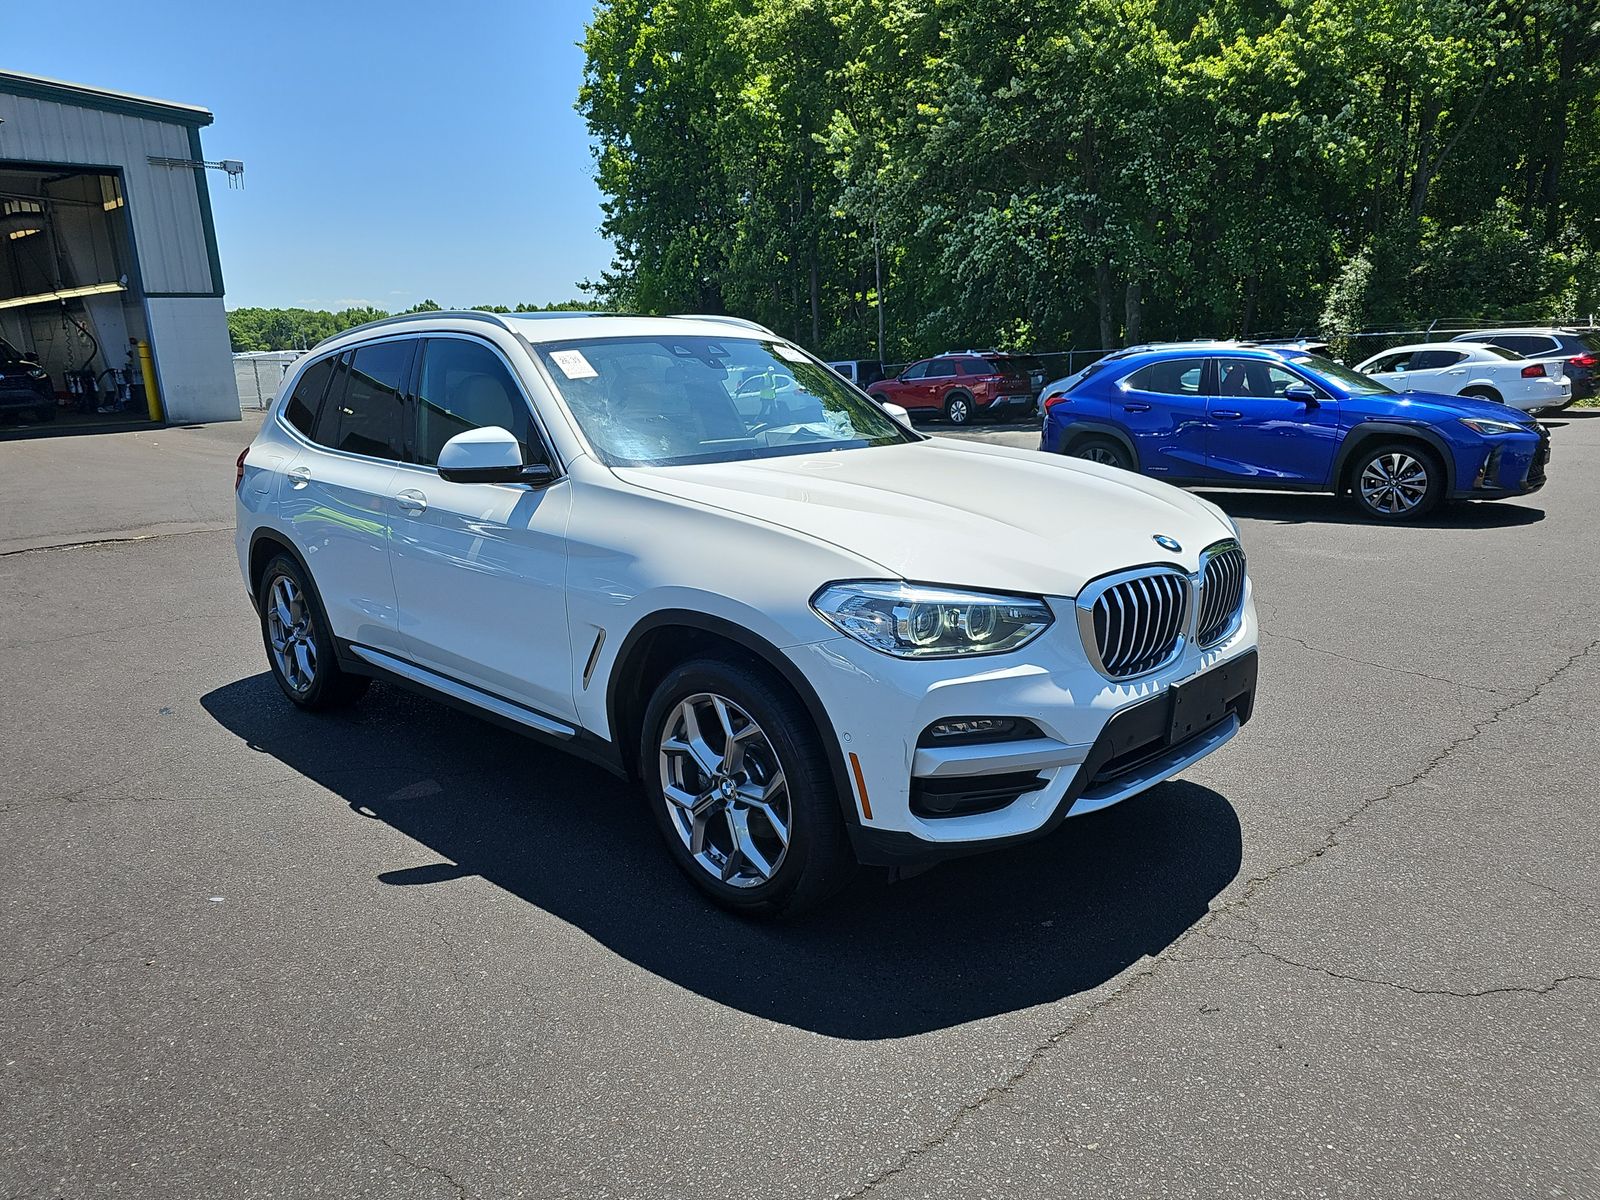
column 1167, row 543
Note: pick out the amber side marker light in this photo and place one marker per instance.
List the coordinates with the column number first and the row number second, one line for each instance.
column 861, row 787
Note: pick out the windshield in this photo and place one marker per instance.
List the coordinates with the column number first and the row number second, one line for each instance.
column 670, row 399
column 8, row 352
column 1351, row 382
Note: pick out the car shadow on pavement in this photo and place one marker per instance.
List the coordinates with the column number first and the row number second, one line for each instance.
column 1299, row 508
column 969, row 939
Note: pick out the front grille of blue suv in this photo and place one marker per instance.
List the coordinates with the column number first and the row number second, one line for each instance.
column 1231, row 415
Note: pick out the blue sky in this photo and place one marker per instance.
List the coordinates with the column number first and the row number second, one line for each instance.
column 393, row 151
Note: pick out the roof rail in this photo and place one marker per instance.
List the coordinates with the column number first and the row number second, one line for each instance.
column 431, row 315
column 725, row 319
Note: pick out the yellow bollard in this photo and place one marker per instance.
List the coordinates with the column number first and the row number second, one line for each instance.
column 147, row 367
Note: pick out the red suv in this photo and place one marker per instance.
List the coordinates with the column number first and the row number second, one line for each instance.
column 961, row 385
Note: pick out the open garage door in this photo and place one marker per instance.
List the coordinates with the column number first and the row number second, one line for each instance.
column 71, row 314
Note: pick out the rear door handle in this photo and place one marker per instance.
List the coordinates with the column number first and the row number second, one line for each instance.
column 299, row 476
column 1135, row 408
column 412, row 501
column 1223, row 414
column 1459, row 371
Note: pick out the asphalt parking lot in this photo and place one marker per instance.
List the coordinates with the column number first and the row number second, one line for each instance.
column 249, row 951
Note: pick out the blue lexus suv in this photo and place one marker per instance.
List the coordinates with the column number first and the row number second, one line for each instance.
column 1234, row 415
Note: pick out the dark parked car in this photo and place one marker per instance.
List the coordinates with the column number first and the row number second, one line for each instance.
column 962, row 385
column 24, row 384
column 1574, row 351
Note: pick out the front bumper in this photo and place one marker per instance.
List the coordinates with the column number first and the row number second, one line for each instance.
column 13, row 395
column 1085, row 759
column 1509, row 465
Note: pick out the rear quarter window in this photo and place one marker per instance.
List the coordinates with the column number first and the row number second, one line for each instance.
column 306, row 400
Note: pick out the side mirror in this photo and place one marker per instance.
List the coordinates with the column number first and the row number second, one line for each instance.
column 1301, row 392
column 489, row 455
column 896, row 411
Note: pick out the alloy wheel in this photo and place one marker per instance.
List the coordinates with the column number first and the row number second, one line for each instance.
column 958, row 411
column 1099, row 454
column 1394, row 482
column 291, row 635
column 725, row 791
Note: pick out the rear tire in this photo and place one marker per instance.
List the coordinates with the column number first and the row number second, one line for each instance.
column 1396, row 481
column 1483, row 393
column 958, row 408
column 1106, row 451
column 299, row 640
column 739, row 784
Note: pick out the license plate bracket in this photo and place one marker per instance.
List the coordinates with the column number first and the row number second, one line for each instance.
column 1201, row 702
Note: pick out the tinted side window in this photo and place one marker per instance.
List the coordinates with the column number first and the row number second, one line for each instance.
column 365, row 412
column 940, row 368
column 1239, row 377
column 1179, row 377
column 1390, row 362
column 464, row 385
column 1432, row 360
column 301, row 411
column 1526, row 343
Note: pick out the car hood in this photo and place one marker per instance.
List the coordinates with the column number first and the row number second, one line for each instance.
column 962, row 513
column 1429, row 406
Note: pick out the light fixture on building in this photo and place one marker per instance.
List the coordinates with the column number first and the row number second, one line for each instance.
column 93, row 289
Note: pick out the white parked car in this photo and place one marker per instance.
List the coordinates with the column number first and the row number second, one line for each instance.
column 687, row 550
column 1472, row 369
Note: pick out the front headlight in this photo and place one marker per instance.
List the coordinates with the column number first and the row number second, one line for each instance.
column 911, row 620
column 38, row 373
column 1486, row 426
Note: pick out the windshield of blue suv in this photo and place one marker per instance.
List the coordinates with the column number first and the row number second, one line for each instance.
column 1352, row 383
column 668, row 400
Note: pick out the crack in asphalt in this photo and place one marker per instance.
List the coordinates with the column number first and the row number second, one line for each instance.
column 420, row 1167
column 115, row 540
column 1390, row 667
column 1201, row 928
column 18, row 984
column 1503, row 990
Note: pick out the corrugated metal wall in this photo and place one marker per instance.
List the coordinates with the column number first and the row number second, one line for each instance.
column 188, row 329
column 163, row 201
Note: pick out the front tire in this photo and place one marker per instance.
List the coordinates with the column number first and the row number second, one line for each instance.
column 299, row 642
column 739, row 784
column 958, row 408
column 1396, row 481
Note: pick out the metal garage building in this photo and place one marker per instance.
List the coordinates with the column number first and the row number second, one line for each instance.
column 106, row 240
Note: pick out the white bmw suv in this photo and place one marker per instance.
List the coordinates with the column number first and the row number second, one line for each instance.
column 686, row 549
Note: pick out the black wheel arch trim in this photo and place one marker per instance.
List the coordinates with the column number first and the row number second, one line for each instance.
column 1080, row 429
column 1367, row 431
column 617, row 687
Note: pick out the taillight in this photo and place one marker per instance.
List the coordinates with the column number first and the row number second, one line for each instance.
column 238, row 469
column 1584, row 360
column 1051, row 401
column 1533, row 371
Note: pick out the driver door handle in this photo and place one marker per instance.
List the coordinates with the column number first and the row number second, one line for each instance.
column 412, row 501
column 1226, row 414
column 1135, row 408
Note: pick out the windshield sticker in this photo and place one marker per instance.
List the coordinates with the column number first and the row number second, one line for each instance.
column 573, row 364
column 788, row 352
